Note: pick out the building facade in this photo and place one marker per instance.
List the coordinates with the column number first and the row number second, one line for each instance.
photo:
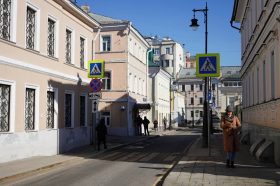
column 260, row 72
column 125, row 85
column 44, row 107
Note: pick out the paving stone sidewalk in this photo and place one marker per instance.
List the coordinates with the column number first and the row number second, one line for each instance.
column 198, row 168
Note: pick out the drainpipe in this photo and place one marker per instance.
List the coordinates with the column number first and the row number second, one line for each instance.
column 93, row 43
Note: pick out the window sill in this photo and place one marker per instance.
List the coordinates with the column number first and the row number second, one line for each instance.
column 29, row 131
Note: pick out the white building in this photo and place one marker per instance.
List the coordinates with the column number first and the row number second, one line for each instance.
column 260, row 72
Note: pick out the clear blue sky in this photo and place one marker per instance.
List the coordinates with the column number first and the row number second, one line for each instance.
column 172, row 18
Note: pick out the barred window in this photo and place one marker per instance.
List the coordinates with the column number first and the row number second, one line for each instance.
column 5, row 19
column 51, row 37
column 106, row 43
column 5, row 93
column 30, row 28
column 30, row 109
column 82, row 52
column 68, row 45
column 50, row 109
column 106, row 81
column 68, row 110
column 82, row 110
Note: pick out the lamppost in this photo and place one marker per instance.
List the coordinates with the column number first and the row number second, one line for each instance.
column 206, row 123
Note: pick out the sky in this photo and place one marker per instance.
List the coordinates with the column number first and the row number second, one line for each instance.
column 172, row 18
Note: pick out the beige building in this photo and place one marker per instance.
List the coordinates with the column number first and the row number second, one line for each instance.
column 44, row 107
column 125, row 86
column 260, row 72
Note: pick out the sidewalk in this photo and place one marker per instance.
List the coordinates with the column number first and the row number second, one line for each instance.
column 22, row 168
column 197, row 168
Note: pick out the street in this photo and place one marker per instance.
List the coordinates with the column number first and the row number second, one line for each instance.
column 142, row 163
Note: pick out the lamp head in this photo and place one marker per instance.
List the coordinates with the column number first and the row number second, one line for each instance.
column 194, row 24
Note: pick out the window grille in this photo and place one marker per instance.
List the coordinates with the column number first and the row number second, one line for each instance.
column 82, row 52
column 30, row 28
column 4, row 107
column 5, row 19
column 68, row 110
column 51, row 35
column 68, row 46
column 30, row 109
column 82, row 110
column 50, row 109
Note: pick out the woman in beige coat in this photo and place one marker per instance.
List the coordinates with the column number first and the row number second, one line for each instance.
column 231, row 127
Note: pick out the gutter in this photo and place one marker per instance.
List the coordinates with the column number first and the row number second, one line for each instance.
column 233, row 15
column 93, row 43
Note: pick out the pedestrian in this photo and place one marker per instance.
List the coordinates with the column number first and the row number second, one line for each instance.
column 231, row 128
column 164, row 123
column 146, row 124
column 139, row 122
column 156, row 125
column 101, row 130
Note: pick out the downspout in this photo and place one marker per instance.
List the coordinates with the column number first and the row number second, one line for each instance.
column 93, row 43
column 233, row 15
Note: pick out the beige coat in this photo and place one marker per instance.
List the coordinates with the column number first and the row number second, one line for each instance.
column 231, row 141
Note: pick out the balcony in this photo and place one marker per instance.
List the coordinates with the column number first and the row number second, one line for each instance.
column 166, row 57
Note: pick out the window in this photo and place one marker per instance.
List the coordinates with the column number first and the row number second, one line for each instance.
column 83, row 111
column 106, row 81
column 192, row 114
column 5, row 19
column 168, row 50
column 51, row 37
column 106, row 116
column 156, row 51
column 69, row 110
column 5, row 94
column 200, row 87
column 192, row 88
column 106, row 43
column 166, row 63
column 272, row 76
column 30, row 28
column 183, row 88
column 82, row 52
column 29, row 109
column 200, row 113
column 68, row 46
column 213, row 86
column 200, row 101
column 50, row 109
column 192, row 101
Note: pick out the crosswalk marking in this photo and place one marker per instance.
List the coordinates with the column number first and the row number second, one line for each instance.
column 149, row 157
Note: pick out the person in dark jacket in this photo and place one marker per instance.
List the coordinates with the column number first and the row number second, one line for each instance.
column 139, row 122
column 146, row 124
column 101, row 130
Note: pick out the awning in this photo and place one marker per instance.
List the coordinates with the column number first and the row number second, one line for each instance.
column 143, row 106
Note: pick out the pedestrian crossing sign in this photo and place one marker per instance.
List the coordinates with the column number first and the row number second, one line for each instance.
column 208, row 65
column 96, row 69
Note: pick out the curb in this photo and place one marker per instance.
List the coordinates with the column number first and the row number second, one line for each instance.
column 48, row 167
column 161, row 180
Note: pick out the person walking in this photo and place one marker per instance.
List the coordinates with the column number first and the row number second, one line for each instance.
column 139, row 122
column 101, row 130
column 231, row 127
column 164, row 123
column 156, row 125
column 146, row 124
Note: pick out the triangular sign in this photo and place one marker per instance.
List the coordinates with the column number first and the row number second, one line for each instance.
column 208, row 66
column 95, row 70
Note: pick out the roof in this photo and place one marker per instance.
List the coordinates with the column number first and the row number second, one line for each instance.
column 106, row 20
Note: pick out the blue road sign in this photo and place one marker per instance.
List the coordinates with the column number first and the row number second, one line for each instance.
column 207, row 65
column 96, row 69
column 96, row 85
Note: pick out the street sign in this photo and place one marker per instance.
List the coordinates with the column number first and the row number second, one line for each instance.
column 95, row 106
column 208, row 65
column 95, row 85
column 94, row 95
column 96, row 69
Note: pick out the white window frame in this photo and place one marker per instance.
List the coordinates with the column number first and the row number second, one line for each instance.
column 101, row 42
column 86, row 110
column 85, row 51
column 72, row 107
column 72, row 44
column 12, row 113
column 106, row 117
column 37, row 26
column 56, row 35
column 37, row 106
column 55, row 91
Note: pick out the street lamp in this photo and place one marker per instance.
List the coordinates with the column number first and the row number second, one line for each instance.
column 206, row 119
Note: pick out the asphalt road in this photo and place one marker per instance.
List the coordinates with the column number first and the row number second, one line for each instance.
column 142, row 164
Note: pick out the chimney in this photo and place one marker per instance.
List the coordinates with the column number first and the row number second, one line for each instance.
column 86, row 8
